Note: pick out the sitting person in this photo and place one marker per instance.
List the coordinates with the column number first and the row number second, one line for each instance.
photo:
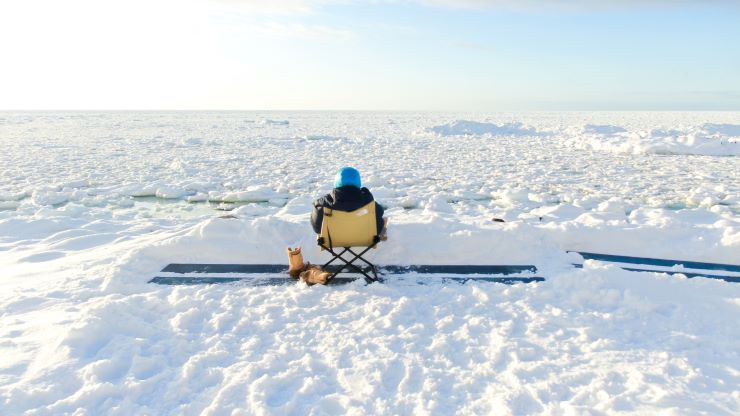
column 348, row 195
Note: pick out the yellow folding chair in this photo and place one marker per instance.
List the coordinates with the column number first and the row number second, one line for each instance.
column 342, row 229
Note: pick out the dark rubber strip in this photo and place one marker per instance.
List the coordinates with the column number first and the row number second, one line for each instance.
column 647, row 261
column 733, row 279
column 225, row 268
column 281, row 268
column 257, row 281
column 690, row 275
column 281, row 281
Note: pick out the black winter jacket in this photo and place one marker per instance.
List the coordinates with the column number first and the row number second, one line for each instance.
column 346, row 198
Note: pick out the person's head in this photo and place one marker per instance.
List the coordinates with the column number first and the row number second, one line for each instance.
column 347, row 176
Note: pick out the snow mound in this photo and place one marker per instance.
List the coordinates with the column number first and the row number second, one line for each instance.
column 606, row 130
column 729, row 130
column 252, row 194
column 269, row 122
column 476, row 128
column 9, row 205
column 707, row 139
column 49, row 197
column 167, row 192
column 322, row 137
column 12, row 196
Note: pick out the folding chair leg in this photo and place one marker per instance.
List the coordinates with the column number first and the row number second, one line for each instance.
column 350, row 263
column 336, row 256
column 372, row 266
column 358, row 269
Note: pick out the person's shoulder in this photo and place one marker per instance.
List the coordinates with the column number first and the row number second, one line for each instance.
column 366, row 194
column 326, row 200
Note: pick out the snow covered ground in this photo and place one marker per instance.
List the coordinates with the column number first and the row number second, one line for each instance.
column 92, row 205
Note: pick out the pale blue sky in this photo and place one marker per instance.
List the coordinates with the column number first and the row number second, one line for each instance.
column 470, row 55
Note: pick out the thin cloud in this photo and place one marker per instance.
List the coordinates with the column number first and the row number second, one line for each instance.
column 280, row 29
column 293, row 7
column 572, row 5
column 275, row 7
column 280, row 18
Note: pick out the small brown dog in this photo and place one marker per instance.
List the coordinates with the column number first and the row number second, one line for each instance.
column 307, row 272
column 313, row 275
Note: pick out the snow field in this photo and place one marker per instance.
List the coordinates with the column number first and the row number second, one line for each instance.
column 598, row 339
column 93, row 205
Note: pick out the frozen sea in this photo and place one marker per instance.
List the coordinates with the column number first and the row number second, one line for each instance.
column 92, row 205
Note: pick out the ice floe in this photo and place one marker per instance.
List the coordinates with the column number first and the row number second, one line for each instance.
column 707, row 139
column 467, row 127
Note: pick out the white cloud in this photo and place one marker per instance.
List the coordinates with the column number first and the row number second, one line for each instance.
column 572, row 4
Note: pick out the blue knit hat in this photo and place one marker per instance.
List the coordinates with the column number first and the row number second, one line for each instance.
column 347, row 176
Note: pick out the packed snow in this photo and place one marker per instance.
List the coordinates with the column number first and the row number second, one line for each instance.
column 93, row 205
column 707, row 139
